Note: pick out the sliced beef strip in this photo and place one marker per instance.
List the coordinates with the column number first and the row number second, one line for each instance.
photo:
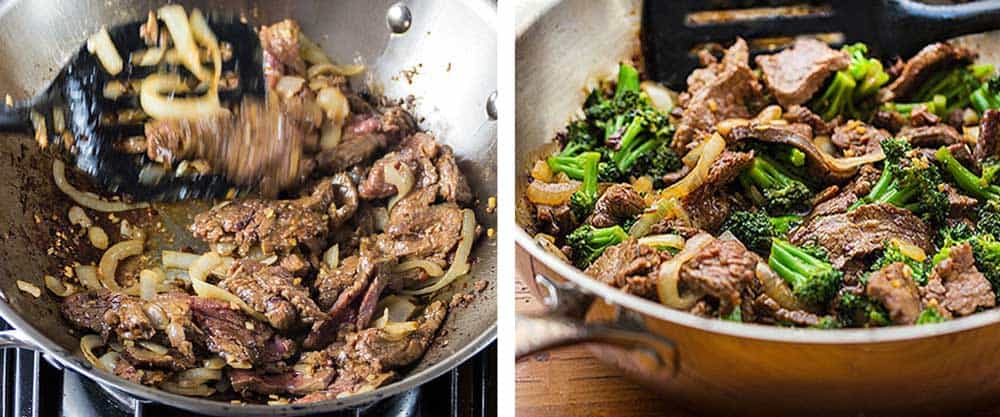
column 280, row 44
column 368, row 358
column 416, row 154
column 893, row 286
column 241, row 340
column 110, row 314
column 453, row 187
column 554, row 220
column 959, row 205
column 632, row 267
column 930, row 136
column 716, row 93
column 273, row 292
column 955, row 286
column 707, row 206
column 802, row 114
column 130, row 372
column 618, row 203
column 799, row 136
column 795, row 74
column 855, row 234
column 930, row 59
column 922, row 116
column 767, row 310
column 364, row 136
column 988, row 144
column 418, row 229
column 278, row 226
column 722, row 269
column 857, row 138
column 145, row 359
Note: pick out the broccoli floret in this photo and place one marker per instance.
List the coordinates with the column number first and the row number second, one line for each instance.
column 828, row 322
column 964, row 178
column 986, row 251
column 957, row 86
column 659, row 162
column 781, row 191
column 580, row 137
column 588, row 243
column 627, row 97
column 812, row 279
column 628, row 80
column 583, row 200
column 987, row 96
column 892, row 254
column 855, row 310
column 849, row 87
column 755, row 229
column 910, row 183
column 930, row 315
column 573, row 166
column 989, row 218
column 954, row 234
column 647, row 132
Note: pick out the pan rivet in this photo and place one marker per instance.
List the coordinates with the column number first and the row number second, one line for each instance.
column 491, row 106
column 399, row 18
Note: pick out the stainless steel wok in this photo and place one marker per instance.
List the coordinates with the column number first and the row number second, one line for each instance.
column 713, row 365
column 451, row 45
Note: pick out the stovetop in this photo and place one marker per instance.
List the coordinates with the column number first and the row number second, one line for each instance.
column 32, row 387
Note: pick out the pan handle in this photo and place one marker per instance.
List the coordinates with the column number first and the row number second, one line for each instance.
column 16, row 339
column 562, row 326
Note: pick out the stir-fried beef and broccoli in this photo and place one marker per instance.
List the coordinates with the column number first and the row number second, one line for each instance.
column 329, row 291
column 820, row 187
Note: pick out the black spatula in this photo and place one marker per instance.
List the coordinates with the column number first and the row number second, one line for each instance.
column 78, row 92
column 673, row 30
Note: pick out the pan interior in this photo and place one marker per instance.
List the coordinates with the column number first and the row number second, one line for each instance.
column 449, row 52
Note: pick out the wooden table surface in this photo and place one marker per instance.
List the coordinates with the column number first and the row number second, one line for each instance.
column 569, row 382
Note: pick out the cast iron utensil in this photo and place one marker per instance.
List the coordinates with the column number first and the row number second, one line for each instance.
column 889, row 27
column 78, row 92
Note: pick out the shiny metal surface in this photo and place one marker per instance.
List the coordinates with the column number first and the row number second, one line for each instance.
column 449, row 53
column 723, row 366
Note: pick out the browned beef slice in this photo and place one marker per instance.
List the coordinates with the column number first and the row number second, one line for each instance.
column 129, row 372
column 889, row 120
column 421, row 231
column 893, row 286
column 144, row 358
column 416, row 154
column 367, row 358
column 802, row 114
column 959, row 205
column 922, row 116
column 708, row 206
column 276, row 225
column 280, row 44
column 852, row 235
column 629, row 266
column 554, row 220
column 722, row 269
column 857, row 138
column 364, row 136
column 361, row 278
column 718, row 92
column 108, row 313
column 988, row 144
column 957, row 286
column 930, row 59
column 273, row 292
column 795, row 74
column 619, row 202
column 858, row 187
column 330, row 282
column 769, row 311
column 313, row 372
column 241, row 340
column 930, row 136
column 453, row 186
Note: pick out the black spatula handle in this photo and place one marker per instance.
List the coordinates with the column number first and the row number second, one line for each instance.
column 913, row 24
column 15, row 119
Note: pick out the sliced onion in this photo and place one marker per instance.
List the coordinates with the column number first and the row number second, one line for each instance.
column 200, row 269
column 223, row 248
column 179, row 26
column 334, row 104
column 431, row 268
column 460, row 264
column 148, row 57
column 311, row 52
column 154, row 347
column 101, row 45
column 661, row 97
column 110, row 259
column 197, row 391
column 909, row 250
column 331, row 257
column 78, row 217
column 59, row 288
column 669, row 277
column 87, row 345
column 397, row 308
column 345, row 70
column 776, row 287
column 289, row 86
column 182, row 260
column 87, row 274
column 113, row 89
column 149, row 281
column 109, row 360
column 197, row 376
column 330, row 135
column 97, row 237
column 29, row 288
column 664, row 240
column 87, row 200
column 551, row 194
column 402, row 178
column 156, row 99
column 214, row 362
column 711, row 151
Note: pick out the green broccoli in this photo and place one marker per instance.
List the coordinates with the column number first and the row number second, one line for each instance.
column 987, row 96
column 755, row 229
column 661, row 161
column 588, row 243
column 937, row 104
column 892, row 254
column 988, row 220
column 908, row 182
column 780, row 189
column 857, row 310
column 811, row 278
column 573, row 166
column 930, row 315
column 850, row 87
column 957, row 86
column 828, row 322
column 583, row 200
column 964, row 178
column 986, row 251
